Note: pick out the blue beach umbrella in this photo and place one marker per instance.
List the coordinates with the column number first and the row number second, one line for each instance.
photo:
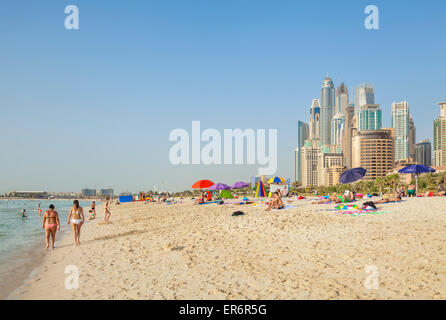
column 417, row 169
column 352, row 175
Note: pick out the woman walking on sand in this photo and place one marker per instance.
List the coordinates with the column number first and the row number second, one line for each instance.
column 107, row 212
column 50, row 224
column 76, row 222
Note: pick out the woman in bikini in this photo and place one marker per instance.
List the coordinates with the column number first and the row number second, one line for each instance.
column 107, row 212
column 76, row 222
column 93, row 211
column 50, row 224
column 39, row 210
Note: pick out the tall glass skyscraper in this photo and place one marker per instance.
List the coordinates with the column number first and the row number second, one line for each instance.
column 364, row 94
column 440, row 137
column 423, row 153
column 341, row 98
column 327, row 109
column 370, row 117
column 302, row 135
column 337, row 129
column 315, row 121
column 400, row 122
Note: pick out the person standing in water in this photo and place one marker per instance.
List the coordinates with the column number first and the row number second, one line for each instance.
column 24, row 216
column 76, row 222
column 39, row 209
column 50, row 224
column 107, row 212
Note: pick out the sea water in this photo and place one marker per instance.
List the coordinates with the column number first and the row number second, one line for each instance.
column 20, row 237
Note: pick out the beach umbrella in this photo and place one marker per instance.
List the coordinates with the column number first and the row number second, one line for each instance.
column 202, row 184
column 220, row 186
column 352, row 175
column 416, row 169
column 239, row 185
column 276, row 180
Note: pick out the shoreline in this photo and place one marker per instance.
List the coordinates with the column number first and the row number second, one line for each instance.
column 182, row 251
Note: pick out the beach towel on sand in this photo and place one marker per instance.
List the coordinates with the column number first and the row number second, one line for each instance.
column 285, row 208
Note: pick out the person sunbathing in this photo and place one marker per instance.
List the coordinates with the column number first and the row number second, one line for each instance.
column 441, row 191
column 200, row 200
column 276, row 201
column 389, row 199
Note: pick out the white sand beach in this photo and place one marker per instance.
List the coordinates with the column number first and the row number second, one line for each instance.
column 182, row 251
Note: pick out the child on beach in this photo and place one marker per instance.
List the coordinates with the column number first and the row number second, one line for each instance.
column 50, row 224
column 276, row 201
column 24, row 216
column 93, row 211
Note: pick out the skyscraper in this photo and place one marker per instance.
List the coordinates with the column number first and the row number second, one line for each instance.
column 400, row 122
column 341, row 98
column 412, row 138
column 337, row 129
column 315, row 114
column 327, row 107
column 370, row 117
column 374, row 151
column 347, row 144
column 302, row 135
column 423, row 153
column 440, row 137
column 364, row 94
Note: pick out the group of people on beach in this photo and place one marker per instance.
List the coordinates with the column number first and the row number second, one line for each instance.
column 51, row 222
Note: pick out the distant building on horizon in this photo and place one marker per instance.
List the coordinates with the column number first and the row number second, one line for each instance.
column 440, row 137
column 88, row 192
column 327, row 108
column 302, row 135
column 400, row 123
column 374, row 151
column 423, row 153
column 106, row 192
column 370, row 117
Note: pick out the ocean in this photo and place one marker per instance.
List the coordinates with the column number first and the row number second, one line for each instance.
column 22, row 241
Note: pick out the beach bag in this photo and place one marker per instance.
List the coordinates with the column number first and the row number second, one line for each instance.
column 369, row 204
column 238, row 213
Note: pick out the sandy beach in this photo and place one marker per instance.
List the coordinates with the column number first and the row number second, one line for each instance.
column 182, row 251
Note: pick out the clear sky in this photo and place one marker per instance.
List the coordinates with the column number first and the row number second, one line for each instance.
column 94, row 107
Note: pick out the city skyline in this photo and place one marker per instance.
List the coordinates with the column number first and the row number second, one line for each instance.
column 95, row 106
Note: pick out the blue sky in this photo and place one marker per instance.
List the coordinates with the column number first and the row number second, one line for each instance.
column 95, row 106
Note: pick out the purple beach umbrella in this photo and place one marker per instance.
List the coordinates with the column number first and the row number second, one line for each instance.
column 220, row 186
column 239, row 185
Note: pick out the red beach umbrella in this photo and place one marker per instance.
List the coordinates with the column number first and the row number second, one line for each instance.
column 202, row 184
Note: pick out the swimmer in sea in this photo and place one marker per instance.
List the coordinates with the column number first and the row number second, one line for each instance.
column 50, row 224
column 77, row 221
column 24, row 216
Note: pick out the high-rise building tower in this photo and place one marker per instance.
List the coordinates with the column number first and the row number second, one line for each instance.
column 337, row 129
column 341, row 99
column 370, row 117
column 412, row 138
column 374, row 151
column 400, row 122
column 327, row 109
column 315, row 121
column 440, row 137
column 364, row 94
column 302, row 135
column 347, row 144
column 423, row 153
